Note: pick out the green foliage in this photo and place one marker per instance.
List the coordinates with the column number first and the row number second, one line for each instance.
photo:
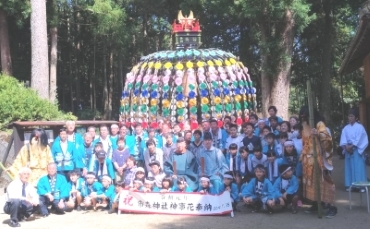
column 88, row 114
column 22, row 104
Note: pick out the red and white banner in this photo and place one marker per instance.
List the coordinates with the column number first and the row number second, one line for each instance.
column 175, row 203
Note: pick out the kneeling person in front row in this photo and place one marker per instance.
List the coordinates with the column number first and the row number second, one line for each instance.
column 259, row 192
column 21, row 197
column 53, row 190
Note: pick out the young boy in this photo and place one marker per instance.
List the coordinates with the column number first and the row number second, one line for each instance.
column 250, row 140
column 280, row 146
column 156, row 173
column 137, row 185
column 259, row 192
column 129, row 171
column 119, row 158
column 232, row 159
column 106, row 196
column 258, row 158
column 244, row 174
column 97, row 147
column 229, row 185
column 286, row 188
column 206, row 187
column 233, row 137
column 197, row 143
column 271, row 157
column 118, row 190
column 274, row 125
column 103, row 165
column 149, row 186
column 88, row 188
column 181, row 186
column 75, row 187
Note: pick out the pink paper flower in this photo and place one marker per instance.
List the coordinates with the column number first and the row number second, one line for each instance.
column 178, row 81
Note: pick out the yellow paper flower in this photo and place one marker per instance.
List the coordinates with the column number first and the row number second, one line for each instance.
column 192, row 102
column 245, row 97
column 168, row 65
column 217, row 100
column 238, row 98
column 166, row 103
column 232, row 60
column 205, row 101
column 144, row 100
column 153, row 102
column 134, row 100
column 180, row 119
column 122, row 102
column 193, row 117
column 150, row 65
column 144, row 65
column 218, row 63
column 200, row 64
column 179, row 66
column 219, row 116
column 158, row 65
column 227, row 63
column 210, row 63
column 189, row 64
column 180, row 104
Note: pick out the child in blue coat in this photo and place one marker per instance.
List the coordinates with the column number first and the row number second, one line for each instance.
column 149, row 185
column 291, row 158
column 106, row 196
column 206, row 187
column 118, row 190
column 232, row 187
column 273, row 167
column 286, row 188
column 103, row 166
column 181, row 185
column 90, row 187
column 259, row 192
column 75, row 187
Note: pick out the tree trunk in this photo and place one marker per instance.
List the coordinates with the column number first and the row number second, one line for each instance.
column 39, row 49
column 265, row 77
column 78, row 56
column 53, row 63
column 6, row 60
column 281, row 82
column 105, row 88
column 110, row 82
column 94, row 77
column 325, row 86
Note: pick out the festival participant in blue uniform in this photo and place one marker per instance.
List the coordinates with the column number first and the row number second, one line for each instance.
column 297, row 138
column 197, row 143
column 258, row 158
column 279, row 148
column 130, row 140
column 232, row 187
column 261, row 125
column 286, row 188
column 65, row 154
column 108, row 145
column 156, row 173
column 354, row 141
column 92, row 131
column 73, row 137
column 214, row 162
column 250, row 141
column 75, row 186
column 168, row 147
column 137, row 185
column 206, row 187
column 272, row 112
column 114, row 133
column 118, row 188
column 130, row 172
column 119, row 159
column 183, row 163
column 286, row 128
column 232, row 159
column 166, row 129
column 106, row 196
column 103, row 165
column 219, row 135
column 167, row 185
column 253, row 118
column 234, row 138
column 259, row 192
column 244, row 175
column 188, row 136
column 291, row 158
column 152, row 135
column 181, row 185
column 149, row 186
column 52, row 190
column 97, row 147
column 273, row 167
column 274, row 125
column 88, row 148
column 152, row 153
column 140, row 145
column 89, row 188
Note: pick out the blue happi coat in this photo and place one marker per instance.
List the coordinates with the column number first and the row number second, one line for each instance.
column 69, row 160
column 234, row 191
column 109, row 167
column 60, row 190
column 292, row 188
column 268, row 190
column 87, row 189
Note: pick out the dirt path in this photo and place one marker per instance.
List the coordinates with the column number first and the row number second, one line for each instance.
column 357, row 218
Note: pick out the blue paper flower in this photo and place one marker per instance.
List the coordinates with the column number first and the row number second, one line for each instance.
column 165, row 95
column 237, row 91
column 217, row 92
column 204, row 93
column 254, row 90
column 154, row 94
column 179, row 97
column 191, row 94
column 144, row 93
column 136, row 92
column 226, row 91
column 243, row 91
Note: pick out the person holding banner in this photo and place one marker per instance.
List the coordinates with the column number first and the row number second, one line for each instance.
column 182, row 163
column 232, row 187
column 212, row 162
column 181, row 186
column 206, row 186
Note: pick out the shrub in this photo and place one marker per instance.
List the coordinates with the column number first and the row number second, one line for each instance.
column 18, row 103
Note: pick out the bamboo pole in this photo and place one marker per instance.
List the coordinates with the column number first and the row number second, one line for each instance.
column 4, row 169
column 316, row 165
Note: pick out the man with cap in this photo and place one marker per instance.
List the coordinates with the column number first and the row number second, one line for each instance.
column 152, row 153
column 102, row 165
column 354, row 141
column 182, row 163
column 211, row 162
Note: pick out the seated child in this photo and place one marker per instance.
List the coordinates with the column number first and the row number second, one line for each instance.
column 119, row 158
column 244, row 174
column 139, row 175
column 259, row 192
column 181, row 185
column 105, row 197
column 258, row 158
column 156, row 173
column 167, row 184
column 286, row 188
column 103, row 166
column 118, row 190
column 205, row 186
column 137, row 185
column 271, row 157
column 291, row 158
column 75, row 186
column 229, row 185
column 130, row 172
column 89, row 188
column 149, row 186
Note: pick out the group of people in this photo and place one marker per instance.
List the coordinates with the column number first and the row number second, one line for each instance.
column 263, row 162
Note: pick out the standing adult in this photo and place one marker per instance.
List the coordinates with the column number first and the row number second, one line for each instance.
column 21, row 197
column 73, row 137
column 92, row 131
column 88, row 152
column 104, row 138
column 354, row 142
column 212, row 162
column 219, row 135
column 169, row 147
column 114, row 129
column 129, row 139
column 182, row 163
column 272, row 112
column 152, row 153
column 324, row 149
column 35, row 155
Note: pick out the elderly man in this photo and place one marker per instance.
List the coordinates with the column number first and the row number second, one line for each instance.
column 114, row 132
column 182, row 163
column 211, row 162
column 88, row 151
column 104, row 138
column 21, row 197
column 53, row 190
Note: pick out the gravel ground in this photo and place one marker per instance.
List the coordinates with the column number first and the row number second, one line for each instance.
column 357, row 218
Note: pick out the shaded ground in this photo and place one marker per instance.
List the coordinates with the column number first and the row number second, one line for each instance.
column 355, row 218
